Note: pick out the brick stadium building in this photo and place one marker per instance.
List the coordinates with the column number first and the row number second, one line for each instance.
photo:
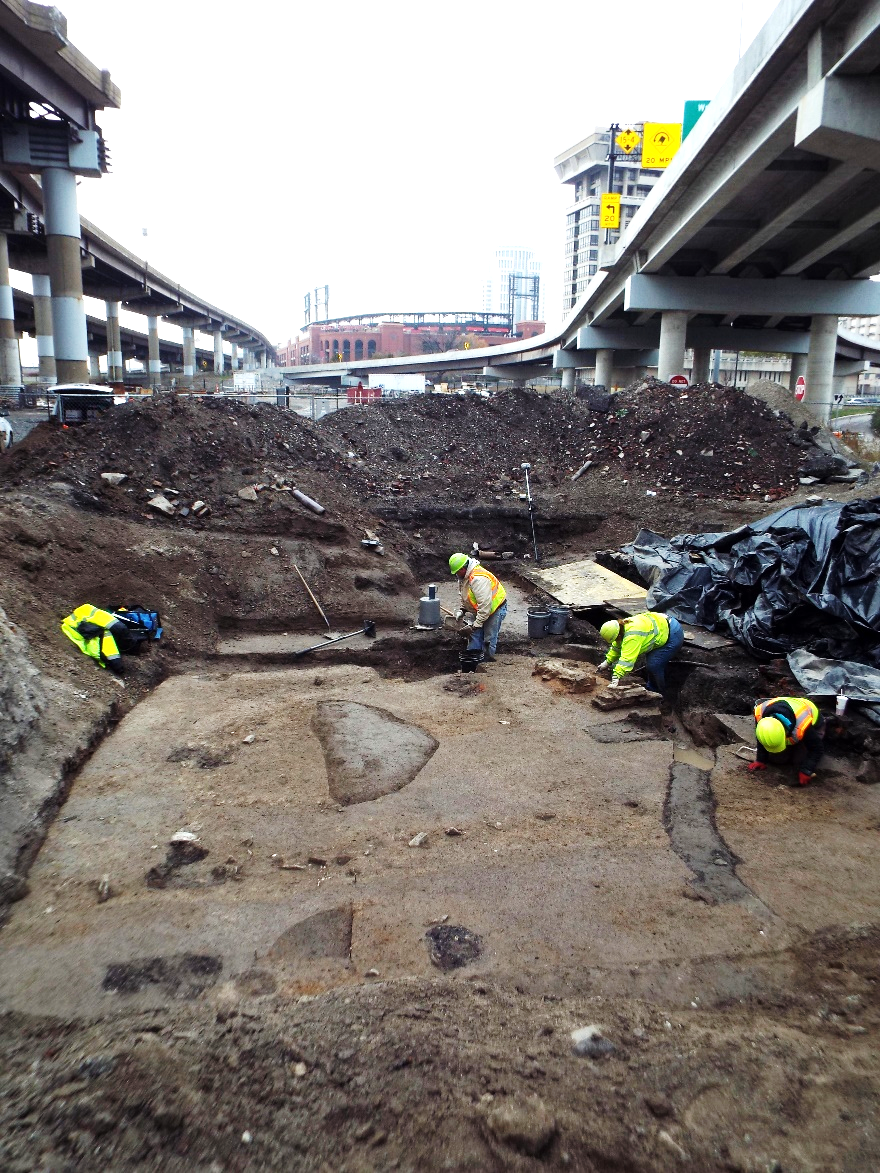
column 399, row 336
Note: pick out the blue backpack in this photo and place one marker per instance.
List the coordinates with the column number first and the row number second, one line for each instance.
column 134, row 626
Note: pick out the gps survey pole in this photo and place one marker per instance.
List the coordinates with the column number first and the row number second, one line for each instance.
column 525, row 467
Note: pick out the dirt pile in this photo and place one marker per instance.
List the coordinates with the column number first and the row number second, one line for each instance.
column 708, row 441
column 187, row 450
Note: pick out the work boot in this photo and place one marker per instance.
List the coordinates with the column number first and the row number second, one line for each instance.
column 488, row 658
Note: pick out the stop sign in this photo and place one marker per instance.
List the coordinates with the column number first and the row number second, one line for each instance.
column 800, row 388
column 678, row 381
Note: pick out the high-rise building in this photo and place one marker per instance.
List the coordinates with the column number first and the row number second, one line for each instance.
column 514, row 285
column 869, row 381
column 585, row 167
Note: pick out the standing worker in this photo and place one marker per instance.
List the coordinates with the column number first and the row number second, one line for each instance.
column 789, row 729
column 653, row 635
column 483, row 596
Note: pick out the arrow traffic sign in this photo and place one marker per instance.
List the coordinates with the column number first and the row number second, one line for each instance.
column 628, row 140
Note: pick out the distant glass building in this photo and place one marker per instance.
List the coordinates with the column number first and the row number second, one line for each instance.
column 585, row 167
column 520, row 265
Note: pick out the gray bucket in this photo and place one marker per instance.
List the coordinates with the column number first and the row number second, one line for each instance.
column 539, row 622
column 558, row 620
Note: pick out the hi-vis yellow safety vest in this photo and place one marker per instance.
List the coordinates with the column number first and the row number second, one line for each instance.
column 499, row 594
column 87, row 627
column 805, row 712
column 641, row 634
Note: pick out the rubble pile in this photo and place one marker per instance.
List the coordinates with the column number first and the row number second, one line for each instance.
column 709, row 441
column 186, row 459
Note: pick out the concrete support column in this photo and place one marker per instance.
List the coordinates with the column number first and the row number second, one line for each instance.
column 43, row 321
column 233, row 355
column 798, row 367
column 94, row 367
column 218, row 353
column 189, row 356
column 10, row 360
column 568, row 376
column 263, row 360
column 820, row 364
column 114, row 343
column 700, row 369
column 604, row 368
column 673, row 328
column 65, row 275
column 154, row 363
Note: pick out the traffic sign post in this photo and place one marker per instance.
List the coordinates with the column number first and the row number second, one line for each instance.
column 679, row 381
column 800, row 388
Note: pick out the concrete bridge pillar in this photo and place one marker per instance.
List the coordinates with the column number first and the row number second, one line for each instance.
column 673, row 329
column 263, row 360
column 233, row 356
column 568, row 377
column 189, row 356
column 10, row 360
column 94, row 368
column 114, row 343
column 218, row 352
column 63, row 245
column 154, row 362
column 43, row 322
column 820, row 364
column 798, row 367
column 604, row 368
column 700, row 369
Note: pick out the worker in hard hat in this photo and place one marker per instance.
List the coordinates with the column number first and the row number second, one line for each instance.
column 652, row 636
column 483, row 603
column 789, row 729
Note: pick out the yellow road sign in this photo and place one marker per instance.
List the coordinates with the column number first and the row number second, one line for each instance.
column 661, row 141
column 628, row 140
column 609, row 210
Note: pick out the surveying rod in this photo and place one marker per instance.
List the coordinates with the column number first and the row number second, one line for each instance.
column 525, row 466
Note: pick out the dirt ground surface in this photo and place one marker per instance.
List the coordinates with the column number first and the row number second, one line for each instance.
column 344, row 911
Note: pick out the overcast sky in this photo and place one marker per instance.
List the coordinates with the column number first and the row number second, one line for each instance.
column 385, row 149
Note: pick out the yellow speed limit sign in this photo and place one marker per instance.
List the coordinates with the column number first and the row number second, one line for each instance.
column 609, row 210
column 660, row 142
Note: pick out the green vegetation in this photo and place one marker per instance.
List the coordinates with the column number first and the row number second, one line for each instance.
column 875, row 422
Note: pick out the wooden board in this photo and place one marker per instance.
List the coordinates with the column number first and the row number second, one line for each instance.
column 585, row 584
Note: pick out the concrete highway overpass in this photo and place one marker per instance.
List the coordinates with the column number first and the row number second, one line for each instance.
column 764, row 230
column 51, row 97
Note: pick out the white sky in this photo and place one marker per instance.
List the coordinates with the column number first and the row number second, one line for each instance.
column 385, row 149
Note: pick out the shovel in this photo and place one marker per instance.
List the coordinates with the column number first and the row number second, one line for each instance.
column 369, row 628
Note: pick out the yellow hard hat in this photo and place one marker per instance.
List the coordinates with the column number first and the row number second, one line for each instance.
column 610, row 631
column 456, row 562
column 771, row 734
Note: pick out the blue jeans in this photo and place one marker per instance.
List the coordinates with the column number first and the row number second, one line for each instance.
column 487, row 635
column 656, row 661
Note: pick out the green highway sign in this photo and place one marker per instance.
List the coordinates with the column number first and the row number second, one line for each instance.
column 692, row 112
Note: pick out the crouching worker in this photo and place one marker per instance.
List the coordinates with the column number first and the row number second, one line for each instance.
column 484, row 598
column 95, row 633
column 789, row 729
column 651, row 635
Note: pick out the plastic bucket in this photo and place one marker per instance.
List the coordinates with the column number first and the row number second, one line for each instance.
column 539, row 621
column 467, row 661
column 558, row 620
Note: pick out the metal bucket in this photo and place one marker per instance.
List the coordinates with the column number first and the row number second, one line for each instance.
column 467, row 661
column 539, row 621
column 558, row 620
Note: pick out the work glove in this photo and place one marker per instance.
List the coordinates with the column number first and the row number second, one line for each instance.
column 752, row 766
column 467, row 619
column 805, row 779
column 615, row 682
column 459, row 614
column 604, row 667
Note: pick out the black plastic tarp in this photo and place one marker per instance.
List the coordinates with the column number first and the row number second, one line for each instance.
column 805, row 577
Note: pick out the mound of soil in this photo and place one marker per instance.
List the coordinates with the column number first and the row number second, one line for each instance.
column 188, row 449
column 709, row 441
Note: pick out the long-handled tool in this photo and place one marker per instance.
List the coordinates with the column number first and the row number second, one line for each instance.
column 369, row 628
column 311, row 596
column 525, row 466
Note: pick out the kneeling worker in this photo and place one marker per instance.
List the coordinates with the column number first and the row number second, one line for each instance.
column 653, row 635
column 786, row 722
column 483, row 596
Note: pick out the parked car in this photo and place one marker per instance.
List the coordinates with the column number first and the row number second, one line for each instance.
column 77, row 402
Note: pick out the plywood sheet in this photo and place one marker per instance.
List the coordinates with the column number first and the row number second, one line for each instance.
column 585, row 584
